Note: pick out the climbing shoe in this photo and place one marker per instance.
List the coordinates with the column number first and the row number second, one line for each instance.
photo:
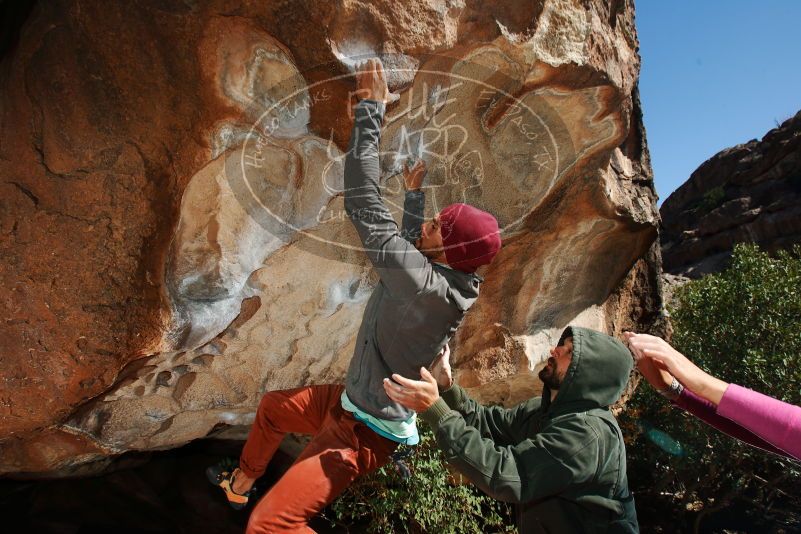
column 223, row 476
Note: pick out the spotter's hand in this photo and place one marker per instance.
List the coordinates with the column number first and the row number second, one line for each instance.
column 441, row 370
column 417, row 395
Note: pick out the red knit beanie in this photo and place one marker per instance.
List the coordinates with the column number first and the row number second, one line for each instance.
column 470, row 235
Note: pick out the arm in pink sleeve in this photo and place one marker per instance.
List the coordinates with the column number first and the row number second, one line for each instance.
column 706, row 411
column 776, row 422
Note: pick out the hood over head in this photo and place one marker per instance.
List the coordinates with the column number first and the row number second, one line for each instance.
column 597, row 375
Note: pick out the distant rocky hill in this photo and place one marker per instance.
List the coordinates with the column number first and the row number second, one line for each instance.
column 747, row 193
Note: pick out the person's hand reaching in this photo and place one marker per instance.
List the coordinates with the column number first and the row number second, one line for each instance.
column 417, row 395
column 441, row 370
column 413, row 178
column 667, row 358
column 371, row 82
column 653, row 371
column 663, row 355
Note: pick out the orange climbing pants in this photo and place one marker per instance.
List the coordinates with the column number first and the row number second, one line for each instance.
column 341, row 450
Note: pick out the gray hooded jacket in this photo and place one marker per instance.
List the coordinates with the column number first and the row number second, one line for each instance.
column 417, row 304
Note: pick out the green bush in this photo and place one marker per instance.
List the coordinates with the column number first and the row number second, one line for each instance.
column 712, row 199
column 742, row 325
column 427, row 501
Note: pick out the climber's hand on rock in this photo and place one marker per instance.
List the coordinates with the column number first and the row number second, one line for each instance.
column 371, row 83
column 413, row 178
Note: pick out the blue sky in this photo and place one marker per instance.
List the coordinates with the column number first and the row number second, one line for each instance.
column 714, row 74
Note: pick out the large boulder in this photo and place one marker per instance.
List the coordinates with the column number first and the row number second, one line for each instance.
column 174, row 242
column 749, row 193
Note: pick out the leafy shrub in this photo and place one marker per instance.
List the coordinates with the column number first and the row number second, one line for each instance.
column 744, row 326
column 427, row 501
column 712, row 199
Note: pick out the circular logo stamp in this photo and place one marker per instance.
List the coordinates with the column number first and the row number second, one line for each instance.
column 486, row 138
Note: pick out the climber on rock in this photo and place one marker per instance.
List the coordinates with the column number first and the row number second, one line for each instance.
column 427, row 284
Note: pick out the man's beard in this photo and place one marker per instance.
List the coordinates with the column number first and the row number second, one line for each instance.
column 549, row 375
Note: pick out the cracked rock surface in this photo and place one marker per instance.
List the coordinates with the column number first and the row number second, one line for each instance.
column 173, row 236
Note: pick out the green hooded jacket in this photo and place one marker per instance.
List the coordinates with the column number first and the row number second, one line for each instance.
column 562, row 462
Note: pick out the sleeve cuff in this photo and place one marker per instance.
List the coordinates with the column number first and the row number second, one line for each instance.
column 453, row 396
column 371, row 108
column 682, row 400
column 731, row 402
column 435, row 413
